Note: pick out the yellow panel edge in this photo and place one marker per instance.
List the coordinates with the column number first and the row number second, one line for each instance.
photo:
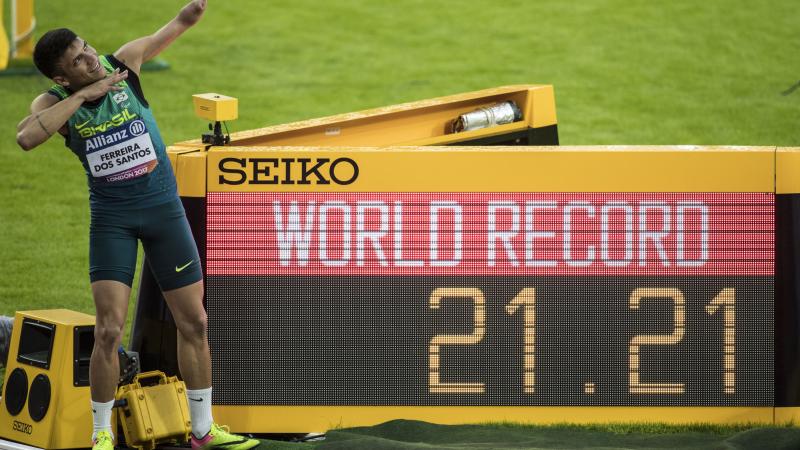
column 542, row 107
column 501, row 169
column 300, row 419
column 787, row 176
column 190, row 171
column 59, row 316
column 174, row 150
column 787, row 415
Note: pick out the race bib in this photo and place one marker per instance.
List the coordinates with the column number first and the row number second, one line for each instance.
column 122, row 153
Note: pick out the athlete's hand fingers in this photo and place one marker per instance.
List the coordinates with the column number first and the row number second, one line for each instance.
column 117, row 73
column 116, row 77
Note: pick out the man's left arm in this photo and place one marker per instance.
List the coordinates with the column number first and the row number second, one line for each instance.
column 139, row 51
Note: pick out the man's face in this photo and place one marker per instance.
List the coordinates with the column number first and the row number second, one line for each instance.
column 79, row 66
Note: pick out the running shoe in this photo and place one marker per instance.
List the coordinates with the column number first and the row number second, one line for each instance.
column 220, row 438
column 103, row 441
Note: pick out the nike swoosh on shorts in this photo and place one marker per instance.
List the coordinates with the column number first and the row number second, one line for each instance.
column 178, row 269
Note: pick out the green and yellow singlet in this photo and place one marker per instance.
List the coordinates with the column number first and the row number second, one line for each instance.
column 118, row 142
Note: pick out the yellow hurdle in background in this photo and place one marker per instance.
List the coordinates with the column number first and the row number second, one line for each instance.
column 23, row 23
column 3, row 41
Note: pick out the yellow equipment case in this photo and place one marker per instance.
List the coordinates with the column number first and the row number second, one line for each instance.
column 45, row 401
column 153, row 410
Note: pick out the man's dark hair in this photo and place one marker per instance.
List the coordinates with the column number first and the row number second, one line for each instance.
column 50, row 48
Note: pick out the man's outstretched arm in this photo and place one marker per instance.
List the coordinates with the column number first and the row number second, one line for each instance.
column 141, row 50
column 49, row 115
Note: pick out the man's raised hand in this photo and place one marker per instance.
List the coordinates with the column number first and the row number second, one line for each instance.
column 192, row 12
column 102, row 87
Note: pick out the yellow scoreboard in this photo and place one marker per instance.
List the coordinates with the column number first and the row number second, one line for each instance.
column 349, row 284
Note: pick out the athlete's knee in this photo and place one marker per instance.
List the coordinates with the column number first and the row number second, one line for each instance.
column 195, row 326
column 107, row 336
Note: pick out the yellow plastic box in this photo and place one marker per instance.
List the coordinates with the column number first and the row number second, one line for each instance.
column 154, row 414
column 216, row 107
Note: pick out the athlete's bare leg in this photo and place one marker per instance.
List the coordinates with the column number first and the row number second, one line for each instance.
column 194, row 357
column 111, row 306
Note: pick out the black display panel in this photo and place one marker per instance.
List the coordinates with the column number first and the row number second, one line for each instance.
column 503, row 299
column 370, row 341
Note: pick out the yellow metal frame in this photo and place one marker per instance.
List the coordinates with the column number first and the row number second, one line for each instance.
column 512, row 169
column 787, row 415
column 302, row 419
column 539, row 169
column 787, row 163
column 415, row 123
column 391, row 146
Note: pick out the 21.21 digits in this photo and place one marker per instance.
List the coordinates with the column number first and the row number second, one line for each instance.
column 525, row 303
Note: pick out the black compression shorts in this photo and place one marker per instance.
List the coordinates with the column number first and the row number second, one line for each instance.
column 166, row 238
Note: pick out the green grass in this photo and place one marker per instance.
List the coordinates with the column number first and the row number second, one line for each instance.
column 409, row 434
column 624, row 71
column 623, row 428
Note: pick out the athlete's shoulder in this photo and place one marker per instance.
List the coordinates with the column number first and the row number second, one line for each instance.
column 57, row 91
column 109, row 62
column 133, row 77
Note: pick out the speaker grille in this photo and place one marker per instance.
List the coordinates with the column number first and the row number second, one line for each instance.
column 40, row 397
column 16, row 391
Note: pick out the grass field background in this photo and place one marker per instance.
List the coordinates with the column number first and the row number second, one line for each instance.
column 625, row 72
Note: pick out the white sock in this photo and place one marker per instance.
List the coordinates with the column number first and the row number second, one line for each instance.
column 200, row 411
column 101, row 416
